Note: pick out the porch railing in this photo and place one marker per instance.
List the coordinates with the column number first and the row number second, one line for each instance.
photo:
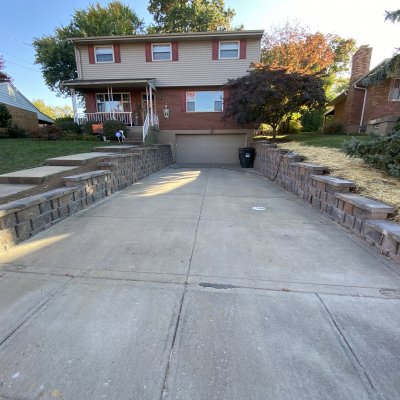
column 101, row 117
column 146, row 126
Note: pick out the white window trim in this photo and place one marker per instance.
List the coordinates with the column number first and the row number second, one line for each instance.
column 196, row 91
column 102, row 47
column 162, row 44
column 392, row 84
column 121, row 93
column 228, row 58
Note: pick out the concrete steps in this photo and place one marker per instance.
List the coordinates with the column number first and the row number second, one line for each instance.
column 34, row 176
column 119, row 148
column 76, row 159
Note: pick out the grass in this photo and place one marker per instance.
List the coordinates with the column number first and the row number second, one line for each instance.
column 17, row 154
column 317, row 139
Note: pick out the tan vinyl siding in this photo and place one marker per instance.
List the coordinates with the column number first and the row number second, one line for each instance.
column 195, row 65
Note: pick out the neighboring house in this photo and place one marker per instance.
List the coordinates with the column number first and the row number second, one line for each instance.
column 182, row 73
column 372, row 102
column 24, row 114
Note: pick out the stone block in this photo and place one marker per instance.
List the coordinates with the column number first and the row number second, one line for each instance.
column 24, row 230
column 8, row 221
column 316, row 203
column 42, row 220
column 337, row 215
column 349, row 220
column 28, row 213
column 66, row 199
column 8, row 236
column 45, row 207
column 74, row 206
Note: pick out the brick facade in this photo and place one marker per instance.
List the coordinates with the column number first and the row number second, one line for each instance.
column 23, row 118
column 378, row 109
column 178, row 119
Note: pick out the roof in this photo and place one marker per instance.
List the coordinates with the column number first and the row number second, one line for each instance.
column 163, row 37
column 11, row 96
column 364, row 81
column 91, row 83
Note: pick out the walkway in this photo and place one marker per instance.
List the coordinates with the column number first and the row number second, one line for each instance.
column 176, row 288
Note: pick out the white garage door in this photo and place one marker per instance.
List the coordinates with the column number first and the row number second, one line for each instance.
column 215, row 149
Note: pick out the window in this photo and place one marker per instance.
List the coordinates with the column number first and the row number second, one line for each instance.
column 116, row 102
column 104, row 54
column 161, row 52
column 228, row 50
column 394, row 94
column 204, row 101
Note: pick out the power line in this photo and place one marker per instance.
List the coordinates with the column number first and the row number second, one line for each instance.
column 23, row 66
column 15, row 39
column 18, row 58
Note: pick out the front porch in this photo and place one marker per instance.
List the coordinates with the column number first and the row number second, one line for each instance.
column 131, row 101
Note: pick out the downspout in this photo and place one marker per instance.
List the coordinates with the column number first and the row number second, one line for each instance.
column 363, row 107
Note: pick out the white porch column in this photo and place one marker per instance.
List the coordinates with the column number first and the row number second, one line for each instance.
column 151, row 106
column 74, row 106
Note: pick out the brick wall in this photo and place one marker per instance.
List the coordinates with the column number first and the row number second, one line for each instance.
column 378, row 105
column 179, row 119
column 23, row 118
column 332, row 196
column 22, row 219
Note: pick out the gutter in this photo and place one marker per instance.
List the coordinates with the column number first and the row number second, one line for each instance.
column 364, row 102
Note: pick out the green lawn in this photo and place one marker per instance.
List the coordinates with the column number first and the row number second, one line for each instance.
column 319, row 139
column 16, row 154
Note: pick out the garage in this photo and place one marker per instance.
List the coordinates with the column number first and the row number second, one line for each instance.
column 212, row 148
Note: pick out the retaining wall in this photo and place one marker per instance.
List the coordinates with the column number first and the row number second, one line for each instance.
column 21, row 219
column 366, row 218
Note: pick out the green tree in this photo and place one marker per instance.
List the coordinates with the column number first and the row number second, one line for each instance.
column 5, row 117
column 56, row 55
column 190, row 15
column 269, row 96
column 53, row 112
column 393, row 16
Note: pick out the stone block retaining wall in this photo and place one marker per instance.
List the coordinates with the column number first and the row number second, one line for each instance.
column 333, row 196
column 21, row 219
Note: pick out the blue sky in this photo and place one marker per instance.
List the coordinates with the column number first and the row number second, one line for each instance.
column 22, row 20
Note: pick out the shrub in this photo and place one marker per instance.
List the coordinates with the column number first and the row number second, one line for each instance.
column 5, row 117
column 110, row 127
column 69, row 126
column 15, row 132
column 382, row 152
column 312, row 120
column 49, row 132
column 63, row 119
column 89, row 138
column 69, row 136
column 87, row 128
column 4, row 136
column 334, row 128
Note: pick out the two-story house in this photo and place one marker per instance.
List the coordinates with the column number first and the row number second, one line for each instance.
column 170, row 81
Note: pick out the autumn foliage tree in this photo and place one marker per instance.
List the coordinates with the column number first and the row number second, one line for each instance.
column 268, row 95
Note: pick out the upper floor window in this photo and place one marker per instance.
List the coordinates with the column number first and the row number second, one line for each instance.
column 161, row 52
column 203, row 101
column 394, row 94
column 228, row 50
column 104, row 54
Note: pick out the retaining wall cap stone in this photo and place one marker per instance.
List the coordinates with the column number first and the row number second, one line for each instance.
column 86, row 175
column 386, row 227
column 365, row 203
column 333, row 181
column 316, row 167
column 30, row 201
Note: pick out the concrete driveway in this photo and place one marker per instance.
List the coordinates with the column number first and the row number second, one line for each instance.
column 175, row 288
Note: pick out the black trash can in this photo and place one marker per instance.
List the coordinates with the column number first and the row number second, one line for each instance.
column 246, row 157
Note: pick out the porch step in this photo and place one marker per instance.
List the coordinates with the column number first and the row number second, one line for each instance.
column 75, row 159
column 135, row 129
column 119, row 148
column 34, row 175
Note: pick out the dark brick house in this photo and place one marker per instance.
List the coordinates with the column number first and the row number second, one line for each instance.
column 369, row 105
column 171, row 82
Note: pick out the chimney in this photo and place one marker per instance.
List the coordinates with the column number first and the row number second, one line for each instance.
column 360, row 63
